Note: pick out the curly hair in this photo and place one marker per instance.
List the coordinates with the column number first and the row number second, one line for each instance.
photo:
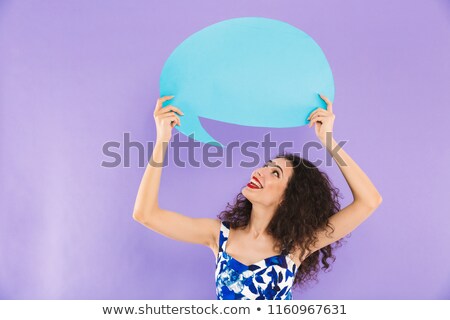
column 308, row 202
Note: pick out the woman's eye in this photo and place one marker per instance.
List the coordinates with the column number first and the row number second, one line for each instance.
column 278, row 175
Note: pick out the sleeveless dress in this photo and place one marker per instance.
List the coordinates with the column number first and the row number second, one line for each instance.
column 268, row 279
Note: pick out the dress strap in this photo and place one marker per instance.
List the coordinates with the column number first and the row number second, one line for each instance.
column 291, row 264
column 224, row 232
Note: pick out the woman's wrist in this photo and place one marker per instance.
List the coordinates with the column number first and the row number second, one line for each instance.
column 162, row 140
column 328, row 141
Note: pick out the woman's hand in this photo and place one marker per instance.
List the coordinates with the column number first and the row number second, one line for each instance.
column 323, row 119
column 165, row 119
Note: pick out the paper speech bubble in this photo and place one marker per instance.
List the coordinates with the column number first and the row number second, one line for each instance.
column 248, row 71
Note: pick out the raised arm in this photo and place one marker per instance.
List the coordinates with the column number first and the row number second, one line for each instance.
column 366, row 197
column 146, row 208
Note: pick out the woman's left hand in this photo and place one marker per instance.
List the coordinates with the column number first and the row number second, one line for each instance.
column 323, row 119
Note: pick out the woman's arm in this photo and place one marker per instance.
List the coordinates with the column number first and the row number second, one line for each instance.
column 146, row 209
column 366, row 196
column 363, row 190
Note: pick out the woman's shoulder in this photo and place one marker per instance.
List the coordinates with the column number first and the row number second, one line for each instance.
column 214, row 226
column 295, row 255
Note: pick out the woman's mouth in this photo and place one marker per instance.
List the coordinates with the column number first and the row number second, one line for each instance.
column 254, row 185
column 251, row 185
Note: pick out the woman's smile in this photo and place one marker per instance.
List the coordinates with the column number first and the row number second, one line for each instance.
column 255, row 183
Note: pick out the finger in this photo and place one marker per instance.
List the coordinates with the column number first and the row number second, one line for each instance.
column 328, row 102
column 160, row 102
column 316, row 119
column 317, row 111
column 313, row 114
column 311, row 124
column 172, row 117
column 170, row 108
column 169, row 115
column 175, row 122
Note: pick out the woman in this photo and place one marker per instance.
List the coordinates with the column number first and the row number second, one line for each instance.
column 270, row 239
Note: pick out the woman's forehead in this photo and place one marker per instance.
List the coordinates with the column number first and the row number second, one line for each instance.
column 284, row 163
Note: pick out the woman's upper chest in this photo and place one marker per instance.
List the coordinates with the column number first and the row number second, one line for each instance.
column 249, row 250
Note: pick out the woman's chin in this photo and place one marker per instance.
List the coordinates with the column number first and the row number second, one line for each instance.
column 246, row 192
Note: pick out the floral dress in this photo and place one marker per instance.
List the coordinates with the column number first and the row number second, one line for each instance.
column 268, row 279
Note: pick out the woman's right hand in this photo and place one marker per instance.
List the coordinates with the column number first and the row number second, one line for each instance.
column 165, row 119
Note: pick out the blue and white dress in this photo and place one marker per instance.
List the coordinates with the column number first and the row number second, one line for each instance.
column 268, row 279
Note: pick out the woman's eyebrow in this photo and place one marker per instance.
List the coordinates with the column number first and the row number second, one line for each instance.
column 273, row 163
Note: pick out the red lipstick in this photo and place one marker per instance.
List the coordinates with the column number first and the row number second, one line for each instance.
column 253, row 185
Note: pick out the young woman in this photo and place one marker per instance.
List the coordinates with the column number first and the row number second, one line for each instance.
column 271, row 238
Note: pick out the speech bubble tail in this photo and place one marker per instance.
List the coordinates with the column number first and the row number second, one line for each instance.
column 192, row 128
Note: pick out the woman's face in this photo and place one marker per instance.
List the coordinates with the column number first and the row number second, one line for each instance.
column 267, row 184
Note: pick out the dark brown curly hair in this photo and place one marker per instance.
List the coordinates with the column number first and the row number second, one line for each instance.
column 308, row 202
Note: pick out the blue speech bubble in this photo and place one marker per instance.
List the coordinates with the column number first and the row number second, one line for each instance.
column 248, row 71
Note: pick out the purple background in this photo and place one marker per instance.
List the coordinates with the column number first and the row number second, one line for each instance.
column 77, row 74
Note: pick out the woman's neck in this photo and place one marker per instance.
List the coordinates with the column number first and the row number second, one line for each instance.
column 259, row 220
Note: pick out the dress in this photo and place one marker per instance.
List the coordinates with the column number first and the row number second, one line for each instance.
column 268, row 279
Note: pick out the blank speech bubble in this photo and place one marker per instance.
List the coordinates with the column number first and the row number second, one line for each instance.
column 249, row 71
